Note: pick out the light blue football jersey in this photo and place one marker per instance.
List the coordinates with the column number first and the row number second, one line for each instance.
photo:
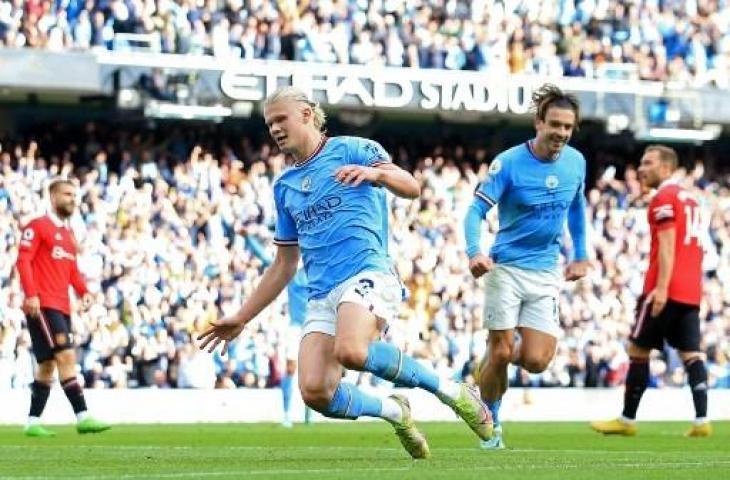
column 534, row 198
column 297, row 296
column 341, row 230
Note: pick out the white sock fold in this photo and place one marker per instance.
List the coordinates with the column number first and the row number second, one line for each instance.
column 449, row 388
column 391, row 410
column 33, row 421
column 81, row 416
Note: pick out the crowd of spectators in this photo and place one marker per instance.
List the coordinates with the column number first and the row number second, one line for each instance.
column 175, row 230
column 687, row 42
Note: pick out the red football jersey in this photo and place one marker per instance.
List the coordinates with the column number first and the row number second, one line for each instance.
column 47, row 263
column 673, row 206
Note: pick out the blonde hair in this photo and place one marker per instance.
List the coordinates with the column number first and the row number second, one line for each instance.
column 666, row 154
column 57, row 182
column 295, row 94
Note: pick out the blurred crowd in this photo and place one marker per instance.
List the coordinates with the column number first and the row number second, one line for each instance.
column 175, row 230
column 687, row 41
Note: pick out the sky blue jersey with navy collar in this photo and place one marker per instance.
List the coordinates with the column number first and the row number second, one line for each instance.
column 535, row 197
column 341, row 230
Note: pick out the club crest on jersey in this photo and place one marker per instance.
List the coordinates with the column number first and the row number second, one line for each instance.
column 58, row 237
column 307, row 183
column 551, row 181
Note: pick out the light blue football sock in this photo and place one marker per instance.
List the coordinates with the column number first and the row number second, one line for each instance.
column 351, row 402
column 389, row 363
column 494, row 409
column 286, row 390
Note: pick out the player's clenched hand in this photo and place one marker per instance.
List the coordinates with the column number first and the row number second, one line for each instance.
column 576, row 270
column 32, row 307
column 658, row 299
column 223, row 330
column 480, row 264
column 354, row 175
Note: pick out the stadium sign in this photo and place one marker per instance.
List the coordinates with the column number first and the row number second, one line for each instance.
column 216, row 87
column 381, row 87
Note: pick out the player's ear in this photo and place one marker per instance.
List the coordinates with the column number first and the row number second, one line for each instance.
column 307, row 113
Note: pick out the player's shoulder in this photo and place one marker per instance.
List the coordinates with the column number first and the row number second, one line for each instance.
column 667, row 192
column 362, row 150
column 573, row 154
column 513, row 153
column 507, row 158
column 350, row 140
column 37, row 222
column 279, row 182
column 354, row 144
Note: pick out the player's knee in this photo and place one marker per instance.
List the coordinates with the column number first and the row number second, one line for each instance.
column 46, row 370
column 500, row 354
column 315, row 394
column 636, row 351
column 351, row 356
column 535, row 364
column 66, row 363
column 65, row 357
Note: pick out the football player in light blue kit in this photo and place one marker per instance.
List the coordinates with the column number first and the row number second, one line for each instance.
column 330, row 205
column 537, row 185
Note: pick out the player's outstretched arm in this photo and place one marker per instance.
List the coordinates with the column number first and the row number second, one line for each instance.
column 273, row 281
column 390, row 176
column 578, row 268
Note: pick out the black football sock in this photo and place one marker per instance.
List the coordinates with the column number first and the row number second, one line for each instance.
column 636, row 382
column 697, row 374
column 75, row 394
column 39, row 392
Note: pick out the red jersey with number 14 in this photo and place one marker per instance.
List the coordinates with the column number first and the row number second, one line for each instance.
column 672, row 206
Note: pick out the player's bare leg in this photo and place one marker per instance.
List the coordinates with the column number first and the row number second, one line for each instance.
column 66, row 361
column 694, row 364
column 357, row 347
column 535, row 351
column 493, row 372
column 493, row 379
column 319, row 371
column 40, row 390
column 322, row 388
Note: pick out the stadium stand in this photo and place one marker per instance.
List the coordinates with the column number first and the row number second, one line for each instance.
column 687, row 43
column 176, row 225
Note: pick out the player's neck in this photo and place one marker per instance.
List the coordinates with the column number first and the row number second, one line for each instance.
column 665, row 181
column 311, row 145
column 57, row 217
column 541, row 151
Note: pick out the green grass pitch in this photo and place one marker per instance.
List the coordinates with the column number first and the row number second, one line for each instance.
column 362, row 450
